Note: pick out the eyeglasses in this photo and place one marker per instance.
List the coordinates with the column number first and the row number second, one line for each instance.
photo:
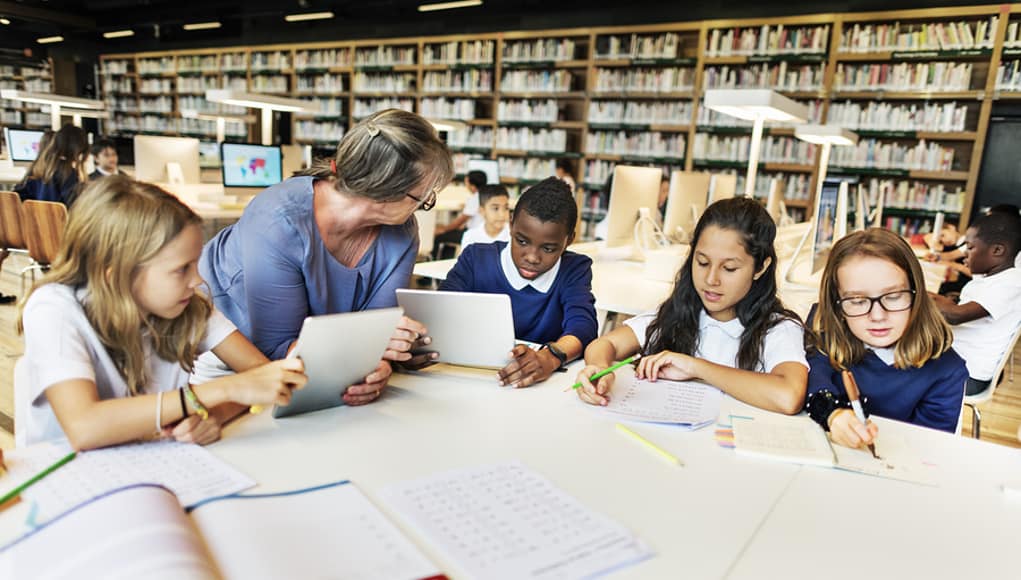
column 891, row 302
column 428, row 201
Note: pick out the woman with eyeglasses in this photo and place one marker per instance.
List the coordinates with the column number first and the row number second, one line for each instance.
column 876, row 321
column 338, row 237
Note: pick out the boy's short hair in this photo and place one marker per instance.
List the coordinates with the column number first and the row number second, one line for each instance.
column 550, row 200
column 477, row 178
column 1000, row 228
column 488, row 192
column 565, row 165
column 102, row 144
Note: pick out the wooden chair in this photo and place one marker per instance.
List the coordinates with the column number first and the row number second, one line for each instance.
column 43, row 226
column 11, row 238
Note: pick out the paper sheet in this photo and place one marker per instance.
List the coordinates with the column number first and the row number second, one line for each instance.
column 505, row 521
column 793, row 439
column 191, row 472
column 897, row 460
column 688, row 403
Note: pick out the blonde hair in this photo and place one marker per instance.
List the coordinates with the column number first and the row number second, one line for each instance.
column 927, row 335
column 61, row 156
column 116, row 226
column 386, row 156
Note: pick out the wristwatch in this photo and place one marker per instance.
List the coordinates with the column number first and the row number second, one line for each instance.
column 555, row 351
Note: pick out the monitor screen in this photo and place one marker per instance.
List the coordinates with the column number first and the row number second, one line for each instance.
column 209, row 154
column 23, row 144
column 250, row 165
column 827, row 218
column 154, row 155
column 488, row 166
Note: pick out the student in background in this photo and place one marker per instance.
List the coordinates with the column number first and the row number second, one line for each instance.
column 470, row 216
column 565, row 172
column 723, row 323
column 494, row 207
column 989, row 309
column 104, row 151
column 875, row 320
column 58, row 172
column 113, row 330
column 950, row 242
column 550, row 288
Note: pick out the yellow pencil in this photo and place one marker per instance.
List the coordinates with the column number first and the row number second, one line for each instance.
column 650, row 445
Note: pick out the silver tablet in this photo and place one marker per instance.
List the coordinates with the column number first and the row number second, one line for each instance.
column 467, row 328
column 339, row 350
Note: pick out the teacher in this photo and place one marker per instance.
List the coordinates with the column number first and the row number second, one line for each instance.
column 338, row 237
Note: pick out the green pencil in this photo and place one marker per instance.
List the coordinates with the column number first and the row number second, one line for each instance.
column 607, row 371
column 17, row 491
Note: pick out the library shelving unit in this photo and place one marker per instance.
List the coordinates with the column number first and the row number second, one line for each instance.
column 917, row 85
column 36, row 77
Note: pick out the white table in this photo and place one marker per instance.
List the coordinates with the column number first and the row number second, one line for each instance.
column 11, row 175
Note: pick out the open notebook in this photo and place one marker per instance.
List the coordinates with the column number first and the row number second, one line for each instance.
column 687, row 404
column 141, row 531
column 799, row 440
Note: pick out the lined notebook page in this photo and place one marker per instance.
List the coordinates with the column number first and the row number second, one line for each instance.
column 794, row 439
column 685, row 403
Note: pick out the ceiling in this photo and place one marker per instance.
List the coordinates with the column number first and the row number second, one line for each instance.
column 157, row 24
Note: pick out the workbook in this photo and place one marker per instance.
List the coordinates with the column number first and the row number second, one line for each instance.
column 141, row 531
column 506, row 522
column 688, row 404
column 798, row 439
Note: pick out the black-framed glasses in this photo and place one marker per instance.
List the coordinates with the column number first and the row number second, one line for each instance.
column 895, row 301
column 428, row 201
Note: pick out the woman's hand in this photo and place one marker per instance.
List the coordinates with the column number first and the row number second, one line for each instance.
column 372, row 388
column 269, row 384
column 598, row 393
column 847, row 430
column 668, row 365
column 410, row 335
column 194, row 429
column 527, row 368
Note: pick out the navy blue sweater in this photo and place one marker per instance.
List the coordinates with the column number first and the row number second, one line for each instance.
column 567, row 309
column 930, row 396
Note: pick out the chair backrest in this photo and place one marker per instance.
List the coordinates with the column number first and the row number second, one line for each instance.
column 1000, row 365
column 44, row 229
column 11, row 236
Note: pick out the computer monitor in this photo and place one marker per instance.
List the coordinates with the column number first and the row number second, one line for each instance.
column 209, row 155
column 488, row 166
column 633, row 188
column 296, row 158
column 251, row 165
column 22, row 144
column 722, row 186
column 685, row 203
column 153, row 154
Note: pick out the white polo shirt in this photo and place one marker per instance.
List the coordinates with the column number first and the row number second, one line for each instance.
column 478, row 235
column 60, row 345
column 982, row 343
column 719, row 342
column 471, row 209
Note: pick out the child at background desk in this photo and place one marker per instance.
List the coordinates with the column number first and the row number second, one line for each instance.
column 723, row 324
column 875, row 320
column 494, row 207
column 113, row 330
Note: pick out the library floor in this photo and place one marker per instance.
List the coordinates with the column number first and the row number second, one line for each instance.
column 1000, row 417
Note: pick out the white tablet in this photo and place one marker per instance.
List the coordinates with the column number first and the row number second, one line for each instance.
column 467, row 328
column 339, row 350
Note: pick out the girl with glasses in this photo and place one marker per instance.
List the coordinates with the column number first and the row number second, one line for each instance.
column 875, row 320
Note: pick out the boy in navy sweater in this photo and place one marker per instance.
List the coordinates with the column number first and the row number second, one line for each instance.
column 550, row 288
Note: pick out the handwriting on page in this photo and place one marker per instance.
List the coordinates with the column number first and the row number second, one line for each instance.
column 506, row 521
column 684, row 403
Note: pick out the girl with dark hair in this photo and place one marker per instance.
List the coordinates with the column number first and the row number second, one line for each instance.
column 723, row 324
column 58, row 172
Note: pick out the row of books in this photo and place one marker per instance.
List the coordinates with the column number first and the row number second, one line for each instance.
column 24, row 71
column 276, row 61
column 365, row 107
column 558, row 81
column 461, row 161
column 882, row 116
column 710, row 118
column 781, row 76
column 481, row 137
column 203, row 105
column 1008, row 76
column 156, row 65
column 598, row 171
column 904, row 76
column 874, row 154
column 10, row 117
column 155, row 124
column 1013, row 39
column 156, row 105
column 773, row 149
column 37, row 120
column 796, row 186
column 323, row 84
column 640, row 112
column 906, row 194
column 897, row 36
column 123, row 67
column 326, row 106
column 121, row 85
column 525, row 139
column 234, row 62
column 322, row 59
column 319, row 131
column 769, row 39
column 907, row 226
column 454, row 52
column 199, row 85
column 525, row 110
column 38, row 85
column 464, row 81
column 643, row 144
column 646, row 80
column 384, row 82
column 665, row 46
column 385, row 56
column 269, row 84
column 155, row 86
column 542, row 50
column 446, row 108
column 529, row 168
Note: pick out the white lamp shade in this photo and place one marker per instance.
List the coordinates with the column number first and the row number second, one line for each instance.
column 823, row 134
column 51, row 99
column 229, row 118
column 754, row 104
column 259, row 101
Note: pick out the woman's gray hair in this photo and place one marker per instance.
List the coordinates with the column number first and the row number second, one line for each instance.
column 386, row 156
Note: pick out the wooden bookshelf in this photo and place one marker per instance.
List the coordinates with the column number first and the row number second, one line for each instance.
column 638, row 82
column 36, row 77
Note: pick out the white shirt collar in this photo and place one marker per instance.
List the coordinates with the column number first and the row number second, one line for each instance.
column 100, row 170
column 733, row 328
column 887, row 355
column 543, row 283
